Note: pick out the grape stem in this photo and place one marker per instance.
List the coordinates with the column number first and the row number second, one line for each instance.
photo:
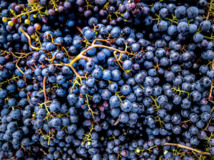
column 118, row 120
column 43, row 151
column 11, row 158
column 29, row 12
column 210, row 9
column 52, row 40
column 29, row 40
column 8, row 81
column 87, row 137
column 44, row 88
column 212, row 86
column 185, row 147
column 81, row 56
column 89, row 108
column 208, row 123
column 210, row 38
column 18, row 66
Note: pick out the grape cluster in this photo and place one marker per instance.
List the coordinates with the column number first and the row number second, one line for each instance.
column 106, row 80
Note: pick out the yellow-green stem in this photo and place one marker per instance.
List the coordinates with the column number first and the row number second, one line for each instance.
column 189, row 148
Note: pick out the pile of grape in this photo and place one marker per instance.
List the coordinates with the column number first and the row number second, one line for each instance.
column 107, row 80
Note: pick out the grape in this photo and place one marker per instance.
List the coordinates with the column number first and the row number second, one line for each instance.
column 192, row 12
column 100, row 2
column 106, row 79
column 205, row 25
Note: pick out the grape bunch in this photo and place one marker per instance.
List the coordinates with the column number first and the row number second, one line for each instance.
column 106, row 80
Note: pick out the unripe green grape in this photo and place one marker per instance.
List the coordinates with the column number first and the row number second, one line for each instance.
column 10, row 23
column 27, row 21
column 4, row 19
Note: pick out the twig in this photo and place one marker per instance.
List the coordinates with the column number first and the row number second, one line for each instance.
column 18, row 66
column 185, row 147
column 89, row 108
column 52, row 40
column 208, row 123
column 11, row 158
column 44, row 88
column 118, row 120
column 44, row 152
column 81, row 56
column 29, row 40
column 29, row 12
column 210, row 9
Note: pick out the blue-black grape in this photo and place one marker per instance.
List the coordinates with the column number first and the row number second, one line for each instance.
column 106, row 79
